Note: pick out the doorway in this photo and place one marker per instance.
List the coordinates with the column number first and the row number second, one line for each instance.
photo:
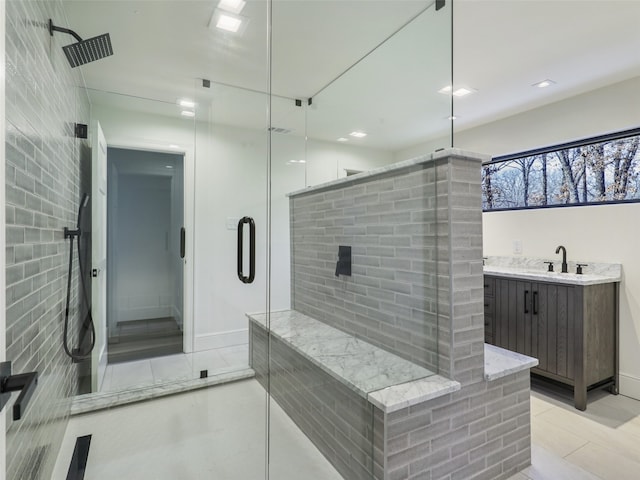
column 145, row 250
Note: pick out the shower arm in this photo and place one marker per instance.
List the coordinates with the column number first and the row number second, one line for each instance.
column 53, row 28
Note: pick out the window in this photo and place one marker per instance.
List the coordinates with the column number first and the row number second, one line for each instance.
column 594, row 171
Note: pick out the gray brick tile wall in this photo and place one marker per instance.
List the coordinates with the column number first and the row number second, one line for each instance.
column 337, row 420
column 416, row 290
column 419, row 241
column 42, row 194
column 464, row 435
column 390, row 229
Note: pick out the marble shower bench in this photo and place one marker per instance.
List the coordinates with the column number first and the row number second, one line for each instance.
column 345, row 393
column 416, row 291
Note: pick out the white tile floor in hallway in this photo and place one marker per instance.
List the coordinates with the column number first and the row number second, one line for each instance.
column 122, row 376
column 214, row 433
column 602, row 443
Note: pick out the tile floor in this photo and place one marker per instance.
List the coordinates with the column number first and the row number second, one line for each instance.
column 215, row 433
column 123, row 376
column 602, row 443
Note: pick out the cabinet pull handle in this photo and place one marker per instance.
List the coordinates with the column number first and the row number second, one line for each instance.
column 252, row 250
column 535, row 303
column 526, row 301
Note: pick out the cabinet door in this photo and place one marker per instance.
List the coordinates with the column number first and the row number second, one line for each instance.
column 513, row 315
column 489, row 301
column 553, row 328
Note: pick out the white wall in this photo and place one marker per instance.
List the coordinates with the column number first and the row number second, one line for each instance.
column 327, row 161
column 231, row 172
column 609, row 109
column 595, row 233
column 229, row 175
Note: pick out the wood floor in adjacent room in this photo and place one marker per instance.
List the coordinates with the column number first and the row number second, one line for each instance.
column 142, row 339
column 602, row 442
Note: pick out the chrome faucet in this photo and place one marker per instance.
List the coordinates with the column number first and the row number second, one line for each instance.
column 564, row 258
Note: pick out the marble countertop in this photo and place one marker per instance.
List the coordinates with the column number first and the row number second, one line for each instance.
column 535, row 269
column 499, row 362
column 359, row 364
column 386, row 380
column 397, row 397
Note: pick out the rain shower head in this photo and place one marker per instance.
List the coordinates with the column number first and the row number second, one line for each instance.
column 84, row 51
column 88, row 50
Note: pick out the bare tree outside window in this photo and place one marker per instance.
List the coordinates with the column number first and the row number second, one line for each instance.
column 598, row 171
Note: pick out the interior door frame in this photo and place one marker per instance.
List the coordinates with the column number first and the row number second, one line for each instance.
column 189, row 225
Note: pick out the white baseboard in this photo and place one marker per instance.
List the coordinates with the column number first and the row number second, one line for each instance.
column 177, row 314
column 629, row 386
column 210, row 341
column 144, row 313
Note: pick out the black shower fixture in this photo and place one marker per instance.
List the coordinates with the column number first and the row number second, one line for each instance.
column 77, row 354
column 84, row 51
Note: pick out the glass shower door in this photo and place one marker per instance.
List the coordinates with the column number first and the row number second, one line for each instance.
column 214, row 423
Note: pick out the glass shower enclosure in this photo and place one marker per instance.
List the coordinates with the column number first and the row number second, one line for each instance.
column 285, row 182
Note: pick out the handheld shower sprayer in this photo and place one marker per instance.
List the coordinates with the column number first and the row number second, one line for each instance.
column 77, row 354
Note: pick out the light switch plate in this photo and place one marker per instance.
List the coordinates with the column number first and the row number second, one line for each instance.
column 232, row 223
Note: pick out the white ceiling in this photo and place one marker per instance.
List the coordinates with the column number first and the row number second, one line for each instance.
column 162, row 50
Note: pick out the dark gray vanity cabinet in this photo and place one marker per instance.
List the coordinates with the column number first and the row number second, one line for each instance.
column 570, row 329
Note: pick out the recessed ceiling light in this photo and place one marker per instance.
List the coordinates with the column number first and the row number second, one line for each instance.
column 296, row 161
column 173, row 145
column 462, row 91
column 233, row 6
column 358, row 134
column 544, row 83
column 458, row 92
column 452, row 117
column 186, row 103
column 168, row 166
column 228, row 23
column 342, row 139
column 187, row 113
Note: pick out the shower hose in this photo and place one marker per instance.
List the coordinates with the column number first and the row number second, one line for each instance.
column 76, row 354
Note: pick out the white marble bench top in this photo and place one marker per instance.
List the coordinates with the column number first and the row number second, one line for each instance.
column 386, row 380
column 499, row 362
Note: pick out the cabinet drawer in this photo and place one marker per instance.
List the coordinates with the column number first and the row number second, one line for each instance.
column 489, row 284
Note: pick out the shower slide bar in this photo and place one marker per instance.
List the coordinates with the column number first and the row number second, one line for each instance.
column 252, row 250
